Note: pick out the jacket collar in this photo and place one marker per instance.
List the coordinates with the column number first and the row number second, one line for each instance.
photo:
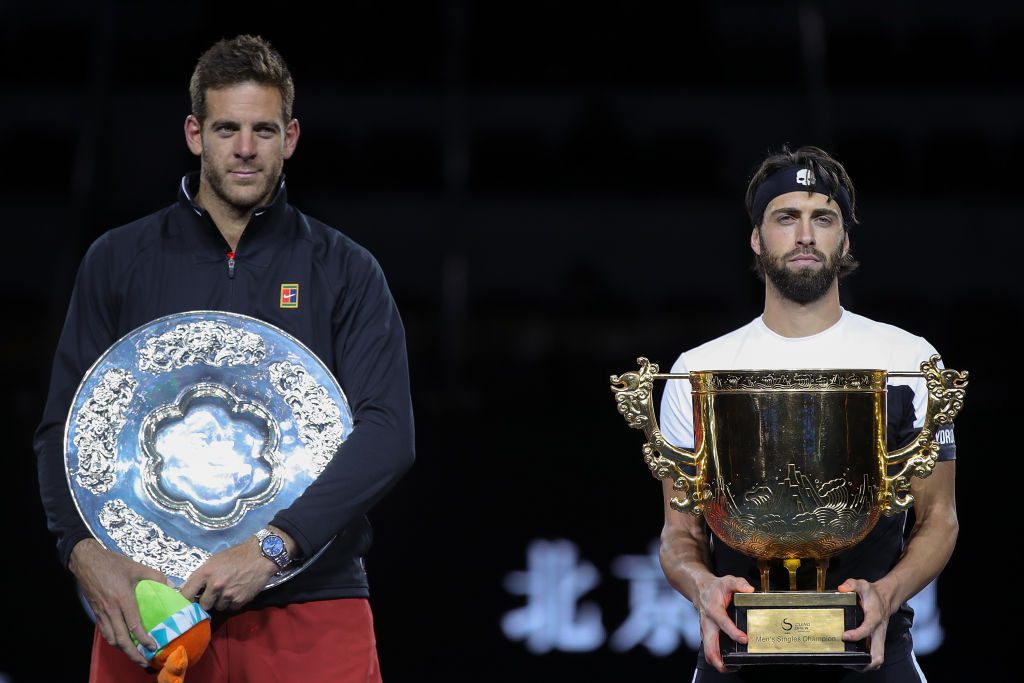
column 264, row 229
column 189, row 187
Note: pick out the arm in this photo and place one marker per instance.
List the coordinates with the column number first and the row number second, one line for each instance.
column 372, row 367
column 107, row 580
column 686, row 560
column 685, row 550
column 931, row 544
column 370, row 359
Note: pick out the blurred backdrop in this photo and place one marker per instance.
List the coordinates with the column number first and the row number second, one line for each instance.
column 552, row 189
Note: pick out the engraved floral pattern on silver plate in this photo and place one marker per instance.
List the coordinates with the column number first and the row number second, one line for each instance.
column 191, row 432
column 316, row 415
column 97, row 427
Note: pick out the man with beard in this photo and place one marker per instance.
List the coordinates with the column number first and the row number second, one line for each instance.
column 232, row 243
column 802, row 205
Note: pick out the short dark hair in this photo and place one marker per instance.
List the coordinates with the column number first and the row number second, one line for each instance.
column 824, row 166
column 241, row 59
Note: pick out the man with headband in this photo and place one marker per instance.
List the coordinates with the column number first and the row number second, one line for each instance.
column 802, row 207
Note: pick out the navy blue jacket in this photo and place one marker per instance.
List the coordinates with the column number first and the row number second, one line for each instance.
column 176, row 260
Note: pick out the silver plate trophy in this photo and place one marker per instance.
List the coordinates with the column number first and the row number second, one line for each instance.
column 191, row 432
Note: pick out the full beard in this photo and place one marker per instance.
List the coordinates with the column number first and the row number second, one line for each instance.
column 803, row 285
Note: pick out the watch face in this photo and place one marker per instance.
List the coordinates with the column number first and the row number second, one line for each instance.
column 273, row 546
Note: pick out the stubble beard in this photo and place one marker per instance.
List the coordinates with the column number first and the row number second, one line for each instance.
column 804, row 285
column 218, row 185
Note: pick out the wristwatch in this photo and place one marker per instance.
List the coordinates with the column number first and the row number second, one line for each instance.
column 272, row 546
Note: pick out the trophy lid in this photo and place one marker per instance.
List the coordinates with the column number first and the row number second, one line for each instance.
column 191, row 432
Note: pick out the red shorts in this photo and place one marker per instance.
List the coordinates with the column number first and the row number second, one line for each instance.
column 327, row 640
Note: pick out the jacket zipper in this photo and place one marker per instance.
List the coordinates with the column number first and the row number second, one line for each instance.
column 231, row 265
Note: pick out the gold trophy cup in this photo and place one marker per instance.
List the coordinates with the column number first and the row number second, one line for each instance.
column 791, row 465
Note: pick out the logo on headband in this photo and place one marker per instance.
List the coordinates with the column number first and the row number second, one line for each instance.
column 805, row 176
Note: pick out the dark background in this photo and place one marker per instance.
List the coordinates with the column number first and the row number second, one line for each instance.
column 552, row 189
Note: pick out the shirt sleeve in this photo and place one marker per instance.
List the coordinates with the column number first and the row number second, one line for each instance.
column 676, row 418
column 370, row 357
column 89, row 330
column 944, row 434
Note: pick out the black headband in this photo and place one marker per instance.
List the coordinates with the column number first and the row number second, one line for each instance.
column 798, row 179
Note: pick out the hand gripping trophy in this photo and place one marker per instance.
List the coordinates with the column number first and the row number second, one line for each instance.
column 791, row 466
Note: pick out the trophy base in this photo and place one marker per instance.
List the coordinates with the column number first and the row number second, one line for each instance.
column 795, row 628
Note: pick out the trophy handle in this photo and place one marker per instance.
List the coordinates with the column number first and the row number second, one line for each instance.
column 634, row 394
column 945, row 399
